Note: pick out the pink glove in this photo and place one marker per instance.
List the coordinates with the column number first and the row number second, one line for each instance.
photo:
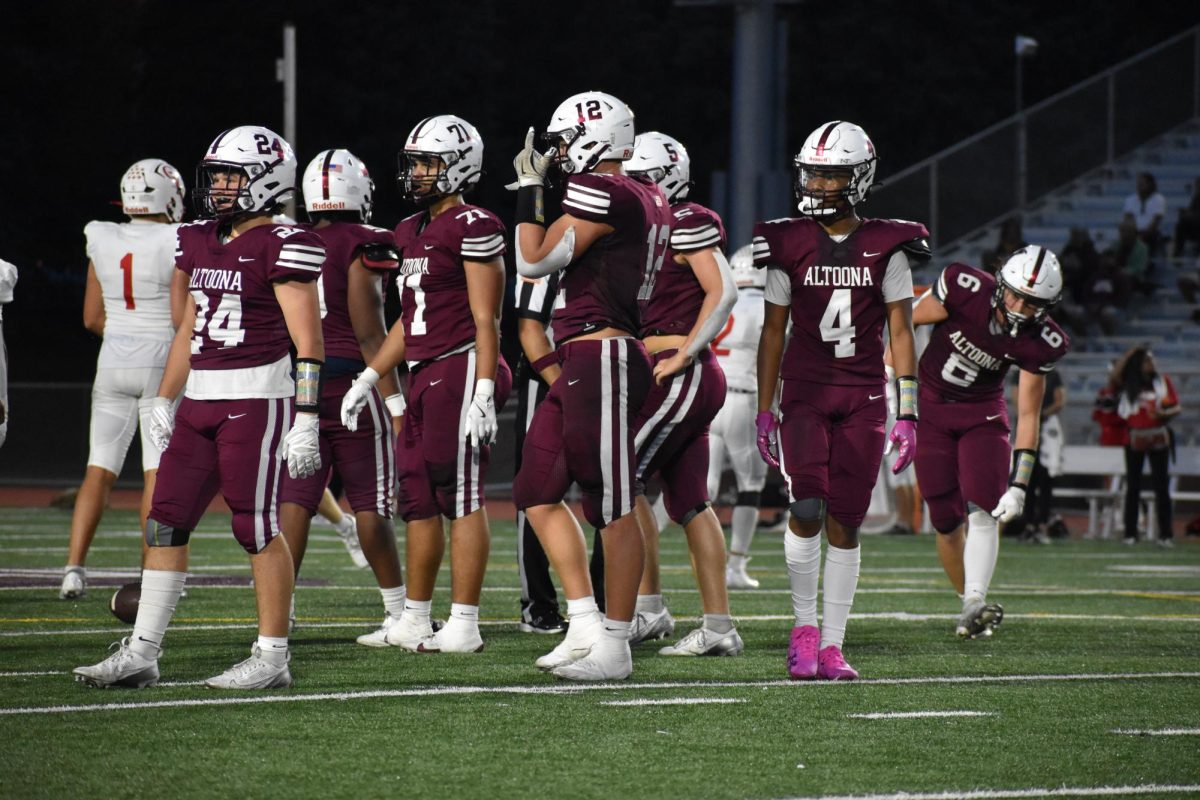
column 903, row 439
column 766, row 425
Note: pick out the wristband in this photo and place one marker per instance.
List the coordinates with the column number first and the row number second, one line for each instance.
column 395, row 404
column 545, row 362
column 368, row 376
column 485, row 387
column 906, row 392
column 1022, row 469
column 308, row 385
column 531, row 205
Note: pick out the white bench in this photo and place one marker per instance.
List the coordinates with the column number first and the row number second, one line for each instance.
column 1109, row 463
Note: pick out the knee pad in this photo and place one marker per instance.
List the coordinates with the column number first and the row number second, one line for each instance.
column 159, row 535
column 751, row 499
column 972, row 508
column 691, row 514
column 811, row 509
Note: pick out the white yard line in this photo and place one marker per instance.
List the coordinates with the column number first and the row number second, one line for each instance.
column 31, row 674
column 920, row 714
column 1017, row 794
column 579, row 688
column 1160, row 732
column 676, row 701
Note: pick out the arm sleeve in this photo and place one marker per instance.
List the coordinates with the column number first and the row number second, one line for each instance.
column 588, row 197
column 897, row 280
column 483, row 237
column 779, row 288
column 299, row 258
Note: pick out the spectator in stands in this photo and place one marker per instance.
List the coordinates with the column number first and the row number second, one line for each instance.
column 1187, row 228
column 1011, row 239
column 1038, row 525
column 1131, row 255
column 1080, row 261
column 1146, row 401
column 1104, row 294
column 1146, row 208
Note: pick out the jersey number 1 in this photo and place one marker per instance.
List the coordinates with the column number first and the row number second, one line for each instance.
column 127, row 273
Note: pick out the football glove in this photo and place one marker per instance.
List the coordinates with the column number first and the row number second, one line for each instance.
column 302, row 447
column 768, row 447
column 162, row 422
column 481, row 416
column 1012, row 502
column 902, row 439
column 356, row 397
column 530, row 165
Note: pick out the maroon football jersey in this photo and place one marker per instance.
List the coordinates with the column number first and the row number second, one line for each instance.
column 434, row 305
column 837, row 293
column 969, row 352
column 238, row 320
column 601, row 286
column 344, row 242
column 674, row 293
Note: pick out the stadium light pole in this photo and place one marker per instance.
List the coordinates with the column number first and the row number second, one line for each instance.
column 1025, row 47
column 285, row 73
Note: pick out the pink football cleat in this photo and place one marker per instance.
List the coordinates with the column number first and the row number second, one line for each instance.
column 802, row 652
column 832, row 665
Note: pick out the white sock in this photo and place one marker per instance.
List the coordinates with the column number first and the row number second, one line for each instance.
column 343, row 525
column 273, row 649
column 465, row 614
column 718, row 623
column 160, row 592
column 617, row 629
column 980, row 554
column 803, row 558
column 650, row 603
column 745, row 519
column 841, row 581
column 418, row 609
column 583, row 608
column 393, row 600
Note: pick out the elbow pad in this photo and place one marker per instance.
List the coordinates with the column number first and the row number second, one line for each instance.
column 558, row 257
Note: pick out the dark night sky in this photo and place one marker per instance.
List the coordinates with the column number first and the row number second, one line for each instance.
column 88, row 88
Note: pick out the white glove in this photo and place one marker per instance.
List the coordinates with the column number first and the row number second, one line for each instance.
column 356, row 397
column 530, row 165
column 302, row 447
column 162, row 422
column 1010, row 505
column 481, row 416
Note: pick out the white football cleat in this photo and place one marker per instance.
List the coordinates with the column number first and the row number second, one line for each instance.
column 408, row 632
column 74, row 583
column 456, row 636
column 610, row 659
column 379, row 638
column 979, row 618
column 582, row 635
column 253, row 673
column 703, row 642
column 649, row 625
column 122, row 668
column 348, row 531
column 736, row 576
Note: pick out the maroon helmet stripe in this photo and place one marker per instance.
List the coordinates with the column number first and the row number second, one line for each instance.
column 325, row 175
column 1037, row 267
column 825, row 137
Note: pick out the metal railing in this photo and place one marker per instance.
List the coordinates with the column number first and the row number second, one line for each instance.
column 977, row 181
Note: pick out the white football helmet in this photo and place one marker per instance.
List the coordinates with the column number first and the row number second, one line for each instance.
column 663, row 160
column 152, row 186
column 834, row 147
column 451, row 139
column 1033, row 274
column 336, row 180
column 262, row 156
column 595, row 127
column 745, row 274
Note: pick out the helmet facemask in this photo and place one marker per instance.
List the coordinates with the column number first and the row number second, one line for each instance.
column 562, row 162
column 215, row 195
column 1014, row 322
column 828, row 205
column 426, row 177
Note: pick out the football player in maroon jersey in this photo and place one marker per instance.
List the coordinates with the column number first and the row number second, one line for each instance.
column 451, row 284
column 840, row 277
column 338, row 195
column 613, row 230
column 254, row 292
column 983, row 325
column 686, row 300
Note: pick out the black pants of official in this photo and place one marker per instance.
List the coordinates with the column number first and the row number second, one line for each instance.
column 1159, row 479
column 537, row 589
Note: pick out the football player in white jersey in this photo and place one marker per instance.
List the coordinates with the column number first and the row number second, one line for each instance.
column 8, row 280
column 128, row 302
column 731, row 437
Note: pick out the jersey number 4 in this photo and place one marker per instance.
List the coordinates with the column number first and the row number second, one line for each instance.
column 224, row 325
column 836, row 324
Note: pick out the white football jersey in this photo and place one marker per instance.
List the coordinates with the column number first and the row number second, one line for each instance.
column 134, row 262
column 736, row 346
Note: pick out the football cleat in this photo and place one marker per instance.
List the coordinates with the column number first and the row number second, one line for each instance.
column 348, row 531
column 703, row 642
column 802, row 660
column 456, row 636
column 74, row 583
column 736, row 576
column 379, row 638
column 832, row 666
column 253, row 673
column 979, row 619
column 409, row 631
column 547, row 623
column 123, row 668
column 609, row 660
column 582, row 635
column 650, row 625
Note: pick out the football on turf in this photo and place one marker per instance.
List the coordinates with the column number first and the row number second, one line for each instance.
column 124, row 603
